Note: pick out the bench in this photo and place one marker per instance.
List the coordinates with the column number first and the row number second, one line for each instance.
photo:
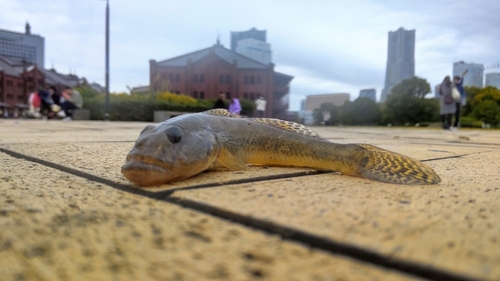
column 81, row 114
column 161, row 115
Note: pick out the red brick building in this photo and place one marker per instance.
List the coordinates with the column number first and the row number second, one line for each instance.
column 17, row 81
column 206, row 73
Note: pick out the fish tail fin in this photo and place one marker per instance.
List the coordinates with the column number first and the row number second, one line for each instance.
column 391, row 167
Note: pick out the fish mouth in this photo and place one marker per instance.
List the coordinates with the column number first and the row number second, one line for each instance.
column 147, row 171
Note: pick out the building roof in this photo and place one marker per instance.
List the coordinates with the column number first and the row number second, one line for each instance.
column 9, row 67
column 54, row 78
column 221, row 52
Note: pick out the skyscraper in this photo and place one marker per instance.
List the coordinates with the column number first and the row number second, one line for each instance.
column 475, row 75
column 252, row 44
column 400, row 59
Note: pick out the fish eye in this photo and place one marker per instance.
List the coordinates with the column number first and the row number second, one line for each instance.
column 174, row 134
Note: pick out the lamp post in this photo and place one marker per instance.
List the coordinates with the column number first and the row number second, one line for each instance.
column 106, row 110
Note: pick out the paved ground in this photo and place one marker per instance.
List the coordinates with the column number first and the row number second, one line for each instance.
column 67, row 213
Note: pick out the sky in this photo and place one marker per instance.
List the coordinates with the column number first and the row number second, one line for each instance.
column 328, row 46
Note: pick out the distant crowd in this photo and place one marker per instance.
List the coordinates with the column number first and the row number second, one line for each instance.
column 234, row 106
column 49, row 104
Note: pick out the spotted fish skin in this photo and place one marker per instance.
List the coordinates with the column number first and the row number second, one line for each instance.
column 235, row 142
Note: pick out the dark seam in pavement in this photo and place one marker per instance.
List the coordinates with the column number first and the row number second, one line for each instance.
column 243, row 181
column 322, row 243
column 442, row 158
column 286, row 233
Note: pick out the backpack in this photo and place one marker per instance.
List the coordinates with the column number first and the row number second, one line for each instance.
column 448, row 99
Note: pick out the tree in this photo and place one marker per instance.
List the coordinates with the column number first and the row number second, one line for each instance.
column 470, row 93
column 363, row 111
column 415, row 86
column 318, row 113
column 485, row 105
column 407, row 103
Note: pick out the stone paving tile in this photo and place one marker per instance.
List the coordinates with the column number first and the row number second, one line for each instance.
column 56, row 226
column 105, row 160
column 453, row 225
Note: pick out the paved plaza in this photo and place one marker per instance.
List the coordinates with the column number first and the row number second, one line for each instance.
column 67, row 213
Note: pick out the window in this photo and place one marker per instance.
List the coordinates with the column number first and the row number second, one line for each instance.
column 171, row 77
column 246, row 79
column 202, row 95
column 228, row 95
column 251, row 79
column 177, row 77
column 252, row 97
column 177, row 92
column 202, row 78
column 195, row 78
column 258, row 79
column 245, row 95
column 221, row 78
column 228, row 79
column 195, row 94
column 9, row 83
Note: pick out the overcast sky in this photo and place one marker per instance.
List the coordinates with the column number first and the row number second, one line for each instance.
column 328, row 46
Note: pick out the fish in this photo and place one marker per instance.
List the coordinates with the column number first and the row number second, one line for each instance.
column 189, row 144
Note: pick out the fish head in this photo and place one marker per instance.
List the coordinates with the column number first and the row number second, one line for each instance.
column 171, row 151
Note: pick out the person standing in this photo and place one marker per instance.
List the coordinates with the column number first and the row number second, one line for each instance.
column 220, row 103
column 446, row 103
column 459, row 81
column 235, row 107
column 260, row 106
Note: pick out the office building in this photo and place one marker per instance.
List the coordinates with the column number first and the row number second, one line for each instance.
column 22, row 48
column 474, row 76
column 315, row 101
column 400, row 59
column 206, row 73
column 493, row 79
column 252, row 44
column 259, row 35
column 368, row 93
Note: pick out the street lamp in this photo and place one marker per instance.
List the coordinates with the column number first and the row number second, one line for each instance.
column 106, row 110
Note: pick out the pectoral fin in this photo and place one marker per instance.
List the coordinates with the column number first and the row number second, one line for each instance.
column 230, row 161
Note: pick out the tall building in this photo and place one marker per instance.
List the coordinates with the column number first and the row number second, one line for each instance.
column 23, row 48
column 368, row 93
column 208, row 72
column 493, row 79
column 474, row 76
column 253, row 33
column 252, row 44
column 400, row 59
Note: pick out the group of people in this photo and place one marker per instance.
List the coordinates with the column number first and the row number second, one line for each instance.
column 51, row 104
column 235, row 107
column 452, row 98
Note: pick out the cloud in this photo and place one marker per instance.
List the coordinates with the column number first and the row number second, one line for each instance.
column 328, row 46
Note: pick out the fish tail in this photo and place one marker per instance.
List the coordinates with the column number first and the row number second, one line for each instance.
column 390, row 167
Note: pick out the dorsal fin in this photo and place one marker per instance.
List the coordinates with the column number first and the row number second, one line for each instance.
column 287, row 126
column 219, row 112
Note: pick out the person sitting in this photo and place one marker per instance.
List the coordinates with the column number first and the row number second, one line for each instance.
column 70, row 100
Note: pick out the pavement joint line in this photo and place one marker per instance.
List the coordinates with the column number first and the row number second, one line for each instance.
column 285, row 232
column 323, row 243
column 444, row 158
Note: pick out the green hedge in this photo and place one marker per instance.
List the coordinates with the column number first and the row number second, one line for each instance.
column 123, row 107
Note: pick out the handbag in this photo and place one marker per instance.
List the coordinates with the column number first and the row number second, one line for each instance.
column 455, row 94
